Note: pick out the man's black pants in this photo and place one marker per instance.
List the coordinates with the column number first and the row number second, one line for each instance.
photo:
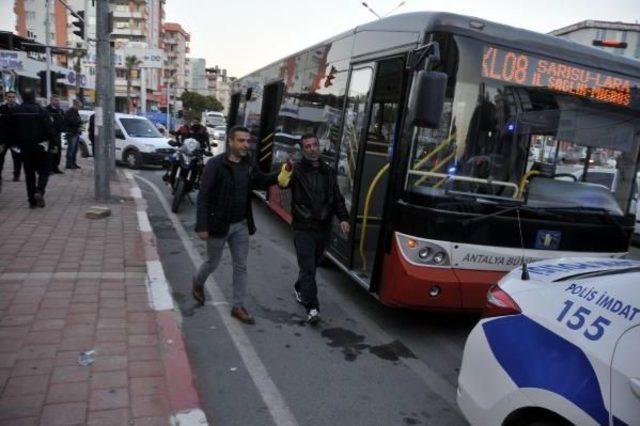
column 17, row 162
column 309, row 250
column 36, row 162
column 55, row 154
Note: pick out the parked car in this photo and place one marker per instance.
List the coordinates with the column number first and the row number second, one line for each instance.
column 558, row 348
column 218, row 135
column 137, row 141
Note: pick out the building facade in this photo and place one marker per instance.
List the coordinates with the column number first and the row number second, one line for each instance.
column 605, row 35
column 219, row 85
column 176, row 72
column 137, row 24
column 197, row 79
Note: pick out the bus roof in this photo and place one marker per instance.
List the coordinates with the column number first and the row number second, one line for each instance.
column 518, row 38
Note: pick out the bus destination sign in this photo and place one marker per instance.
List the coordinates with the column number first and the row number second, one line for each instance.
column 528, row 70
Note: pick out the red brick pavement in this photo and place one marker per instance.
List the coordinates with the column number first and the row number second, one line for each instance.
column 71, row 284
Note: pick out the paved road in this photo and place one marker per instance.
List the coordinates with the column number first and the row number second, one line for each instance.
column 364, row 364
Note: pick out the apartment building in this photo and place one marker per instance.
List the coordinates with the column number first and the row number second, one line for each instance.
column 219, row 85
column 176, row 71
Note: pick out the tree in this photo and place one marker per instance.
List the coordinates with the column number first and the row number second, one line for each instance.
column 130, row 63
column 194, row 104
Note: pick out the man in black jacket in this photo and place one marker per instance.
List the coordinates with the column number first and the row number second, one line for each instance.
column 33, row 129
column 73, row 126
column 6, row 137
column 315, row 198
column 56, row 115
column 224, row 215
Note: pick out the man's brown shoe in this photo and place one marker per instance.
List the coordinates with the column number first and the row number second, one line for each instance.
column 198, row 293
column 241, row 313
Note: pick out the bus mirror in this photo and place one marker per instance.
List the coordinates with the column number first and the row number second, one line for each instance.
column 427, row 98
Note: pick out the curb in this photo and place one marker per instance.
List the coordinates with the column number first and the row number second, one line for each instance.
column 183, row 396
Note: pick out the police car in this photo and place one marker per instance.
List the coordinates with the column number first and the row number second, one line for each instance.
column 560, row 347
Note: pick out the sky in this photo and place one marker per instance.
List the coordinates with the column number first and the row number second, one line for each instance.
column 243, row 35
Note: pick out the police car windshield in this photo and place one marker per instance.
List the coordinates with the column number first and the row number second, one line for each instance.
column 140, row 128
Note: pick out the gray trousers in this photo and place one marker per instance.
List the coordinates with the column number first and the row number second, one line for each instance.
column 238, row 239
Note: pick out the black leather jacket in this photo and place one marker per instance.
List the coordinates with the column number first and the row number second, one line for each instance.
column 57, row 118
column 307, row 210
column 216, row 192
column 31, row 125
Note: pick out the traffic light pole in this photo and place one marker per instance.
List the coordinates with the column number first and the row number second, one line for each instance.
column 104, row 112
column 47, row 26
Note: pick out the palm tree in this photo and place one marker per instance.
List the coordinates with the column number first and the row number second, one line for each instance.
column 130, row 63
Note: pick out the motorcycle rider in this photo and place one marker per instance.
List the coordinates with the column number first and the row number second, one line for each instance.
column 196, row 131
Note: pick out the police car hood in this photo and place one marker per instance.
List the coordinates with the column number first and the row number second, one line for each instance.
column 561, row 269
column 550, row 279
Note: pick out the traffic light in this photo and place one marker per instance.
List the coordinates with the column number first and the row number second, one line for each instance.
column 79, row 23
column 43, row 82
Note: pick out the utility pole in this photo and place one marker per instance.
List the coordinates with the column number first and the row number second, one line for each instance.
column 47, row 28
column 104, row 112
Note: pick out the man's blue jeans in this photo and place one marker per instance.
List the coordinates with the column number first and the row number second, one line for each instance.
column 72, row 148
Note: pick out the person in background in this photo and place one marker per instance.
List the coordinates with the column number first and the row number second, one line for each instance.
column 6, row 136
column 199, row 132
column 33, row 129
column 315, row 198
column 56, row 115
column 73, row 126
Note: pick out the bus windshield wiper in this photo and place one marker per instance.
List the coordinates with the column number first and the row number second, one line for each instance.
column 605, row 273
column 507, row 210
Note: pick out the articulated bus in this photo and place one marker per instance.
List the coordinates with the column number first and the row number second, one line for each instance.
column 462, row 147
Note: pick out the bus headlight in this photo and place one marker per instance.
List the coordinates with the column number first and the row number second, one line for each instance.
column 422, row 252
column 439, row 257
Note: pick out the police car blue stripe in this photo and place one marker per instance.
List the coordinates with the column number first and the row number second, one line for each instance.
column 535, row 357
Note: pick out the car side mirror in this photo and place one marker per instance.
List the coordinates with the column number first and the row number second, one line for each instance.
column 426, row 100
column 119, row 134
column 173, row 143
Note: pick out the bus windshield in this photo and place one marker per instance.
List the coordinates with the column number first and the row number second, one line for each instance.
column 502, row 132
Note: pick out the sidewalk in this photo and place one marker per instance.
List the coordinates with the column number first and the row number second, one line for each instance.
column 69, row 284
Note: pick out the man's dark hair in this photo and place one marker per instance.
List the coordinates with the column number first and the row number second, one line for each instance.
column 236, row 129
column 305, row 137
column 28, row 95
column 10, row 91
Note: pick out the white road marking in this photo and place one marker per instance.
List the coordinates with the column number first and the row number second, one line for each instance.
column 188, row 418
column 273, row 399
column 135, row 192
column 143, row 221
column 159, row 295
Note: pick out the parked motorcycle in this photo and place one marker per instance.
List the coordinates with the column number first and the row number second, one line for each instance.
column 184, row 171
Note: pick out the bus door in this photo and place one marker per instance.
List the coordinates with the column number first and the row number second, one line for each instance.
column 370, row 119
column 271, row 98
column 234, row 108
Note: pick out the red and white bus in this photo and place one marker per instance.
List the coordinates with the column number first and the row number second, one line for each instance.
column 457, row 143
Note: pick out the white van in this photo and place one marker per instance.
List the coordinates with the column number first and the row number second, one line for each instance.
column 138, row 141
column 214, row 118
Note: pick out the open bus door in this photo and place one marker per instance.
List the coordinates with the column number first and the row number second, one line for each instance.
column 369, row 128
column 271, row 99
